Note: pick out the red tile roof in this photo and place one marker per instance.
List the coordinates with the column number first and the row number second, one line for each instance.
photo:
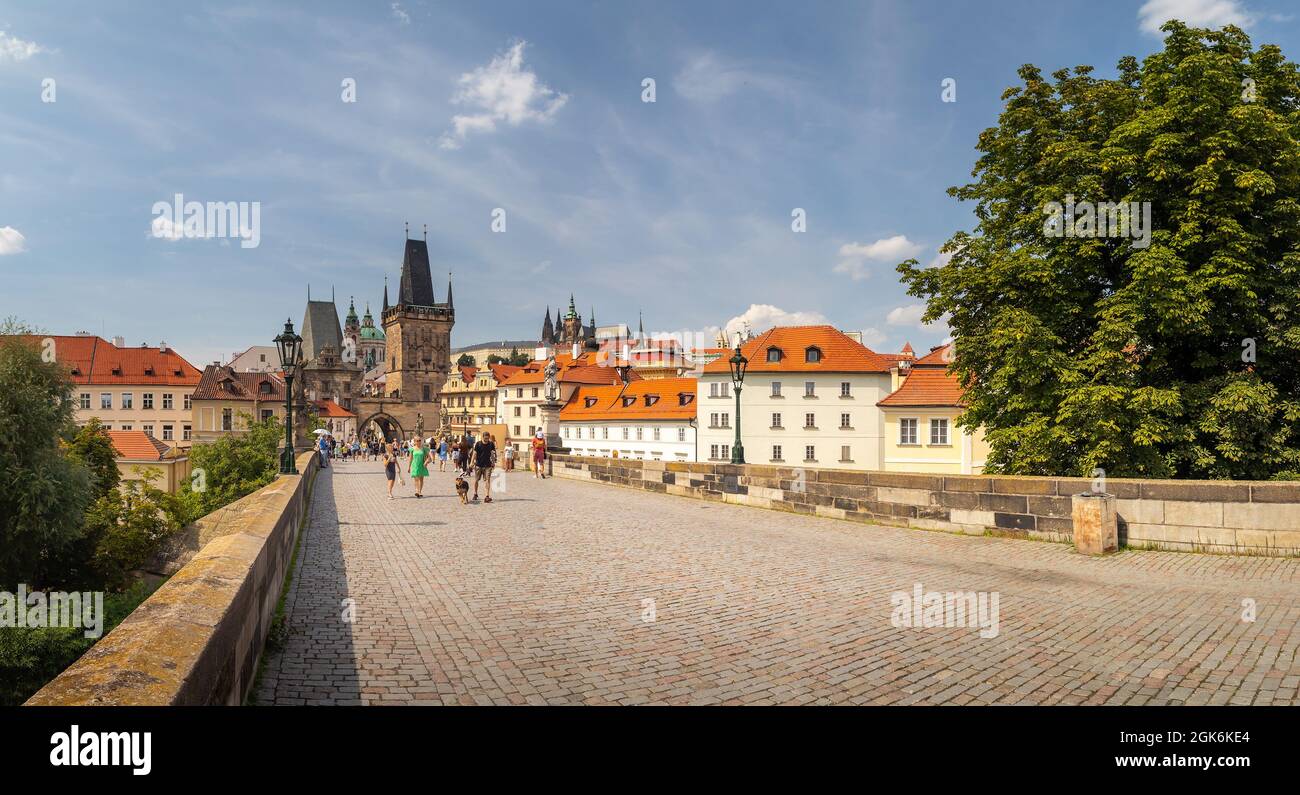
column 94, row 360
column 583, row 370
column 840, row 353
column 669, row 399
column 222, row 382
column 138, row 446
column 928, row 384
column 328, row 408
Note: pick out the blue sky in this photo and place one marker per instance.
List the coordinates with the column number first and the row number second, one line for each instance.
column 680, row 208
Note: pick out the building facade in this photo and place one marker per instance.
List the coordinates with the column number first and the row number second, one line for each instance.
column 147, row 389
column 469, row 397
column 648, row 419
column 226, row 399
column 809, row 400
column 141, row 457
column 520, row 396
column 921, row 431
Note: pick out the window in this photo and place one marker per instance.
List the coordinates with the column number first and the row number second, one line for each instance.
column 810, row 453
column 532, row 411
column 428, row 395
column 519, row 411
column 773, row 355
column 846, row 389
column 810, row 420
column 713, row 452
column 844, row 454
column 127, row 398
column 566, row 433
column 516, row 430
column 810, row 389
column 167, row 400
column 147, row 429
column 85, row 400
column 519, row 392
column 776, row 453
column 655, row 435
column 681, row 434
column 846, row 421
column 106, row 400
column 776, row 389
column 227, row 419
column 604, row 432
column 126, row 427
column 625, row 430
column 907, row 430
column 146, row 400
column 719, row 389
column 267, row 414
column 534, row 391
column 591, row 432
column 776, row 419
column 812, row 355
column 186, row 431
column 167, row 433
column 638, row 434
column 939, row 431
column 726, row 452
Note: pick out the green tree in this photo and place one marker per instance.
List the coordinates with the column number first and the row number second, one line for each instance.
column 465, row 360
column 127, row 525
column 1083, row 352
column 43, row 493
column 93, row 447
column 229, row 468
column 518, row 358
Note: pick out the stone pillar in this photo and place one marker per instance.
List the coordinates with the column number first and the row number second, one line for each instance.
column 1096, row 523
column 550, row 419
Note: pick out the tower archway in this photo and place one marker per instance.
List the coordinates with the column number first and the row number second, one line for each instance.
column 384, row 426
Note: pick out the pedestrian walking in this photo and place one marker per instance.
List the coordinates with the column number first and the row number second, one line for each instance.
column 442, row 454
column 390, row 470
column 324, row 448
column 510, row 458
column 418, row 469
column 539, row 454
column 485, row 458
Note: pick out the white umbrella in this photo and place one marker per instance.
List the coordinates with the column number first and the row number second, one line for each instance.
column 321, row 432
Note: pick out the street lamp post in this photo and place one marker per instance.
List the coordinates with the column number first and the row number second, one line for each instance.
column 287, row 344
column 738, row 364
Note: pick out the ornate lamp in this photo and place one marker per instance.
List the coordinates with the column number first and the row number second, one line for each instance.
column 738, row 364
column 289, row 346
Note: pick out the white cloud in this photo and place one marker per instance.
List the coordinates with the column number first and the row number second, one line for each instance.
column 11, row 241
column 940, row 259
column 502, row 91
column 163, row 228
column 1197, row 13
column 400, row 15
column 909, row 315
column 761, row 317
column 706, row 79
column 855, row 256
column 874, row 338
column 15, row 49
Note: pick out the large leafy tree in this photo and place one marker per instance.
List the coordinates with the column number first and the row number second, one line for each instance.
column 1178, row 359
column 43, row 492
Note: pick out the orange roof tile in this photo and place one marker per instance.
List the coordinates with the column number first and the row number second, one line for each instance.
column 94, row 360
column 669, row 399
column 583, row 370
column 222, row 382
column 328, row 408
column 138, row 446
column 927, row 386
column 939, row 356
column 840, row 353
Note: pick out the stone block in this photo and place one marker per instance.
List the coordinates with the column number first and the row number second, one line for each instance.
column 1050, row 506
column 1141, row 511
column 1012, row 484
column 906, row 480
column 967, row 483
column 1199, row 514
column 1014, row 521
column 1121, row 489
column 980, row 518
column 1199, row 490
column 1288, row 492
column 1005, row 503
column 1096, row 524
column 1260, row 516
column 904, row 496
column 967, row 500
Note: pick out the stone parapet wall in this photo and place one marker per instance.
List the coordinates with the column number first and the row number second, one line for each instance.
column 198, row 638
column 1238, row 517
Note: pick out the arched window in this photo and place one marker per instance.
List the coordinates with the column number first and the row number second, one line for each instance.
column 813, row 355
column 774, row 355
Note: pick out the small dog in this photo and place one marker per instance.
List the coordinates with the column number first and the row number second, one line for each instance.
column 462, row 488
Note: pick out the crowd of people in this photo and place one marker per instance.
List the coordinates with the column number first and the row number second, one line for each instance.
column 472, row 460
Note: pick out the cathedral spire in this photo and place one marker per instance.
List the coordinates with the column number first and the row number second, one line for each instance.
column 548, row 331
column 450, row 305
column 385, row 309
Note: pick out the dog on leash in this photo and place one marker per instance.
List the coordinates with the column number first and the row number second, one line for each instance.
column 462, row 488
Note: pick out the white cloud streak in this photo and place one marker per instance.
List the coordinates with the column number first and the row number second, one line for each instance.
column 503, row 91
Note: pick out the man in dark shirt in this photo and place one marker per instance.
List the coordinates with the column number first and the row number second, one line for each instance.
column 484, row 459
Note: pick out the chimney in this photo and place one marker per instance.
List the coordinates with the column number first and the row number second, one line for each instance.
column 162, row 346
column 576, row 350
column 119, row 342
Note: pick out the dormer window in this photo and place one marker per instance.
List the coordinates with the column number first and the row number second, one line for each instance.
column 650, row 400
column 628, row 400
column 812, row 355
column 591, row 401
column 148, row 370
column 117, row 371
column 265, row 387
column 684, row 398
column 774, row 355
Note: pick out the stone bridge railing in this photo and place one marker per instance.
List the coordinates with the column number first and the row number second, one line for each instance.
column 1236, row 517
column 198, row 638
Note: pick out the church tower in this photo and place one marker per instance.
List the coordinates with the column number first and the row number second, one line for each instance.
column 417, row 335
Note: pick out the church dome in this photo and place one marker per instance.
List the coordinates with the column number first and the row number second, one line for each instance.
column 371, row 333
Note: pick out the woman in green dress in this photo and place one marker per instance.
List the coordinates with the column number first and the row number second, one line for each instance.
column 418, row 469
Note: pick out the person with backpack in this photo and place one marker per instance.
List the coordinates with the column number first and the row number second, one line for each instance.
column 485, row 458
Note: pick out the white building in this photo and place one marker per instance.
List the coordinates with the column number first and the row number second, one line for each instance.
column 520, row 396
column 256, row 359
column 650, row 420
column 808, row 400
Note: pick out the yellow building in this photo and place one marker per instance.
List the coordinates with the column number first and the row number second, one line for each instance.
column 224, row 395
column 139, row 454
column 470, row 396
column 921, row 433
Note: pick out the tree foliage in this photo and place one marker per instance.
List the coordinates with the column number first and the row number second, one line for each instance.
column 1086, row 352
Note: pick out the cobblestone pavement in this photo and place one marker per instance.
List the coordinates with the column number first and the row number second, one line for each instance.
column 543, row 597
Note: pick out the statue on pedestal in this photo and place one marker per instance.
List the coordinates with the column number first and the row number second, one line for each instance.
column 552, row 390
column 419, row 425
